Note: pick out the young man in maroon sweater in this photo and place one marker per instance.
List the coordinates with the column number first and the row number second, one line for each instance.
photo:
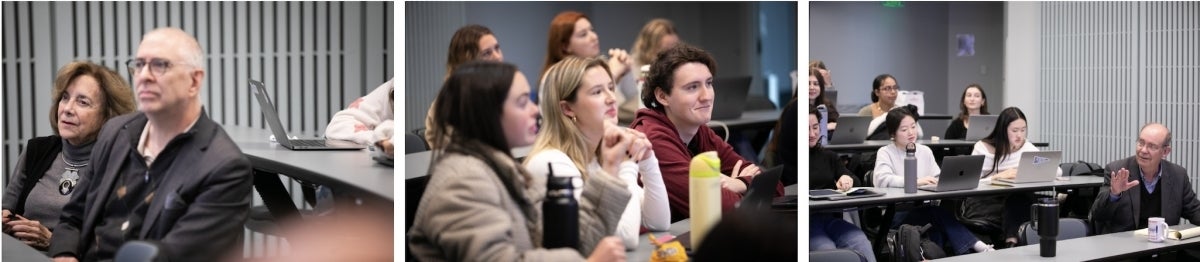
column 679, row 99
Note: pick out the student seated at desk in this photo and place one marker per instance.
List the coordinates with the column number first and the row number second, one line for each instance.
column 579, row 113
column 825, row 171
column 972, row 103
column 679, row 102
column 816, row 96
column 469, row 43
column 1002, row 154
column 85, row 96
column 368, row 120
column 480, row 204
column 1145, row 185
column 889, row 172
column 884, row 91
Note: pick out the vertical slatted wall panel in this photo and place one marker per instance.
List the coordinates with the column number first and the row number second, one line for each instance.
column 424, row 69
column 1109, row 67
column 316, row 58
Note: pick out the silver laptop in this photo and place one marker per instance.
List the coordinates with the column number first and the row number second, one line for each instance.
column 1036, row 166
column 981, row 127
column 958, row 173
column 272, row 117
column 850, row 130
column 730, row 97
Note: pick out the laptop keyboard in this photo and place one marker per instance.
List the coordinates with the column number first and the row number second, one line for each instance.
column 308, row 143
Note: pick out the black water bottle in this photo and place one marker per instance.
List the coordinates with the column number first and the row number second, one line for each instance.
column 560, row 213
column 1045, row 222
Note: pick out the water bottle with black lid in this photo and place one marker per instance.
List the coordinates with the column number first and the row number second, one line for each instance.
column 560, row 213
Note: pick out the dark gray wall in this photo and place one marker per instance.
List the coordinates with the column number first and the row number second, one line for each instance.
column 986, row 21
column 915, row 43
column 728, row 30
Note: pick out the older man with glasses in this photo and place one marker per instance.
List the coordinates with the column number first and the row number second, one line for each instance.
column 167, row 174
column 1145, row 186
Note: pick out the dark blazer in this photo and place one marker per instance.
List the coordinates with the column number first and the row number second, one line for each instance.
column 1178, row 198
column 198, row 209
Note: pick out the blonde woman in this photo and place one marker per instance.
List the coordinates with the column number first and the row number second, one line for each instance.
column 657, row 35
column 579, row 115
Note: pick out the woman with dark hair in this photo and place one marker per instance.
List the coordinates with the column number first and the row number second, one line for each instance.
column 679, row 100
column 571, row 34
column 972, row 103
column 480, row 203
column 1002, row 154
column 825, row 171
column 889, row 172
column 884, row 91
column 85, row 96
column 816, row 96
column 471, row 42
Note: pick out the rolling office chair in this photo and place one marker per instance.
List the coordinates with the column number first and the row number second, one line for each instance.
column 1068, row 228
column 414, row 144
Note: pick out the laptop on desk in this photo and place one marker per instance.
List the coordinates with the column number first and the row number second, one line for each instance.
column 730, row 97
column 272, row 118
column 850, row 130
column 981, row 127
column 958, row 173
column 1035, row 166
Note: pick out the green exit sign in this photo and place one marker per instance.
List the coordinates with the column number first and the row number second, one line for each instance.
column 893, row 4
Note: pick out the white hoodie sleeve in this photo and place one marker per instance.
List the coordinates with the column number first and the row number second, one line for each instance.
column 887, row 172
column 656, row 212
column 367, row 120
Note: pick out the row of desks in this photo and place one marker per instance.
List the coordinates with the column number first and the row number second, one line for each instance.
column 872, row 145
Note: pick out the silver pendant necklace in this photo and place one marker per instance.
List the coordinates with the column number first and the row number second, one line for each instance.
column 70, row 177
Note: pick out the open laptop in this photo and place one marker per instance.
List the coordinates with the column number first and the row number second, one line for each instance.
column 730, row 97
column 850, row 130
column 272, row 117
column 981, row 127
column 762, row 189
column 958, row 173
column 1035, row 166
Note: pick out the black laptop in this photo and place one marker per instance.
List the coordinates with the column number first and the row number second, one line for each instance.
column 272, row 117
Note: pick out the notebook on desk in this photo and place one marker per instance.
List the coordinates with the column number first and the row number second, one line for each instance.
column 272, row 118
column 1035, row 166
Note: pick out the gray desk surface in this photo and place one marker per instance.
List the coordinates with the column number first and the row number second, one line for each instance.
column 417, row 164
column 350, row 171
column 896, row 195
column 1101, row 247
column 644, row 248
column 872, row 145
column 15, row 250
column 750, row 118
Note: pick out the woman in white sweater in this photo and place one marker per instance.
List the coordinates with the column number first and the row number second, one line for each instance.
column 889, row 160
column 889, row 172
column 1008, row 141
column 579, row 113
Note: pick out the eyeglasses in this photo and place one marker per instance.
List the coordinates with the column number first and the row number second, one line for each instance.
column 1151, row 147
column 890, row 88
column 157, row 66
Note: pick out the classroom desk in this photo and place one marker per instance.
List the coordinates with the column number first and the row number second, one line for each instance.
column 15, row 250
column 346, row 171
column 873, row 145
column 897, row 195
column 1108, row 247
column 750, row 119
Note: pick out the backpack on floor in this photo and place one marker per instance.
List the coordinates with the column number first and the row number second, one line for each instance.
column 911, row 243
